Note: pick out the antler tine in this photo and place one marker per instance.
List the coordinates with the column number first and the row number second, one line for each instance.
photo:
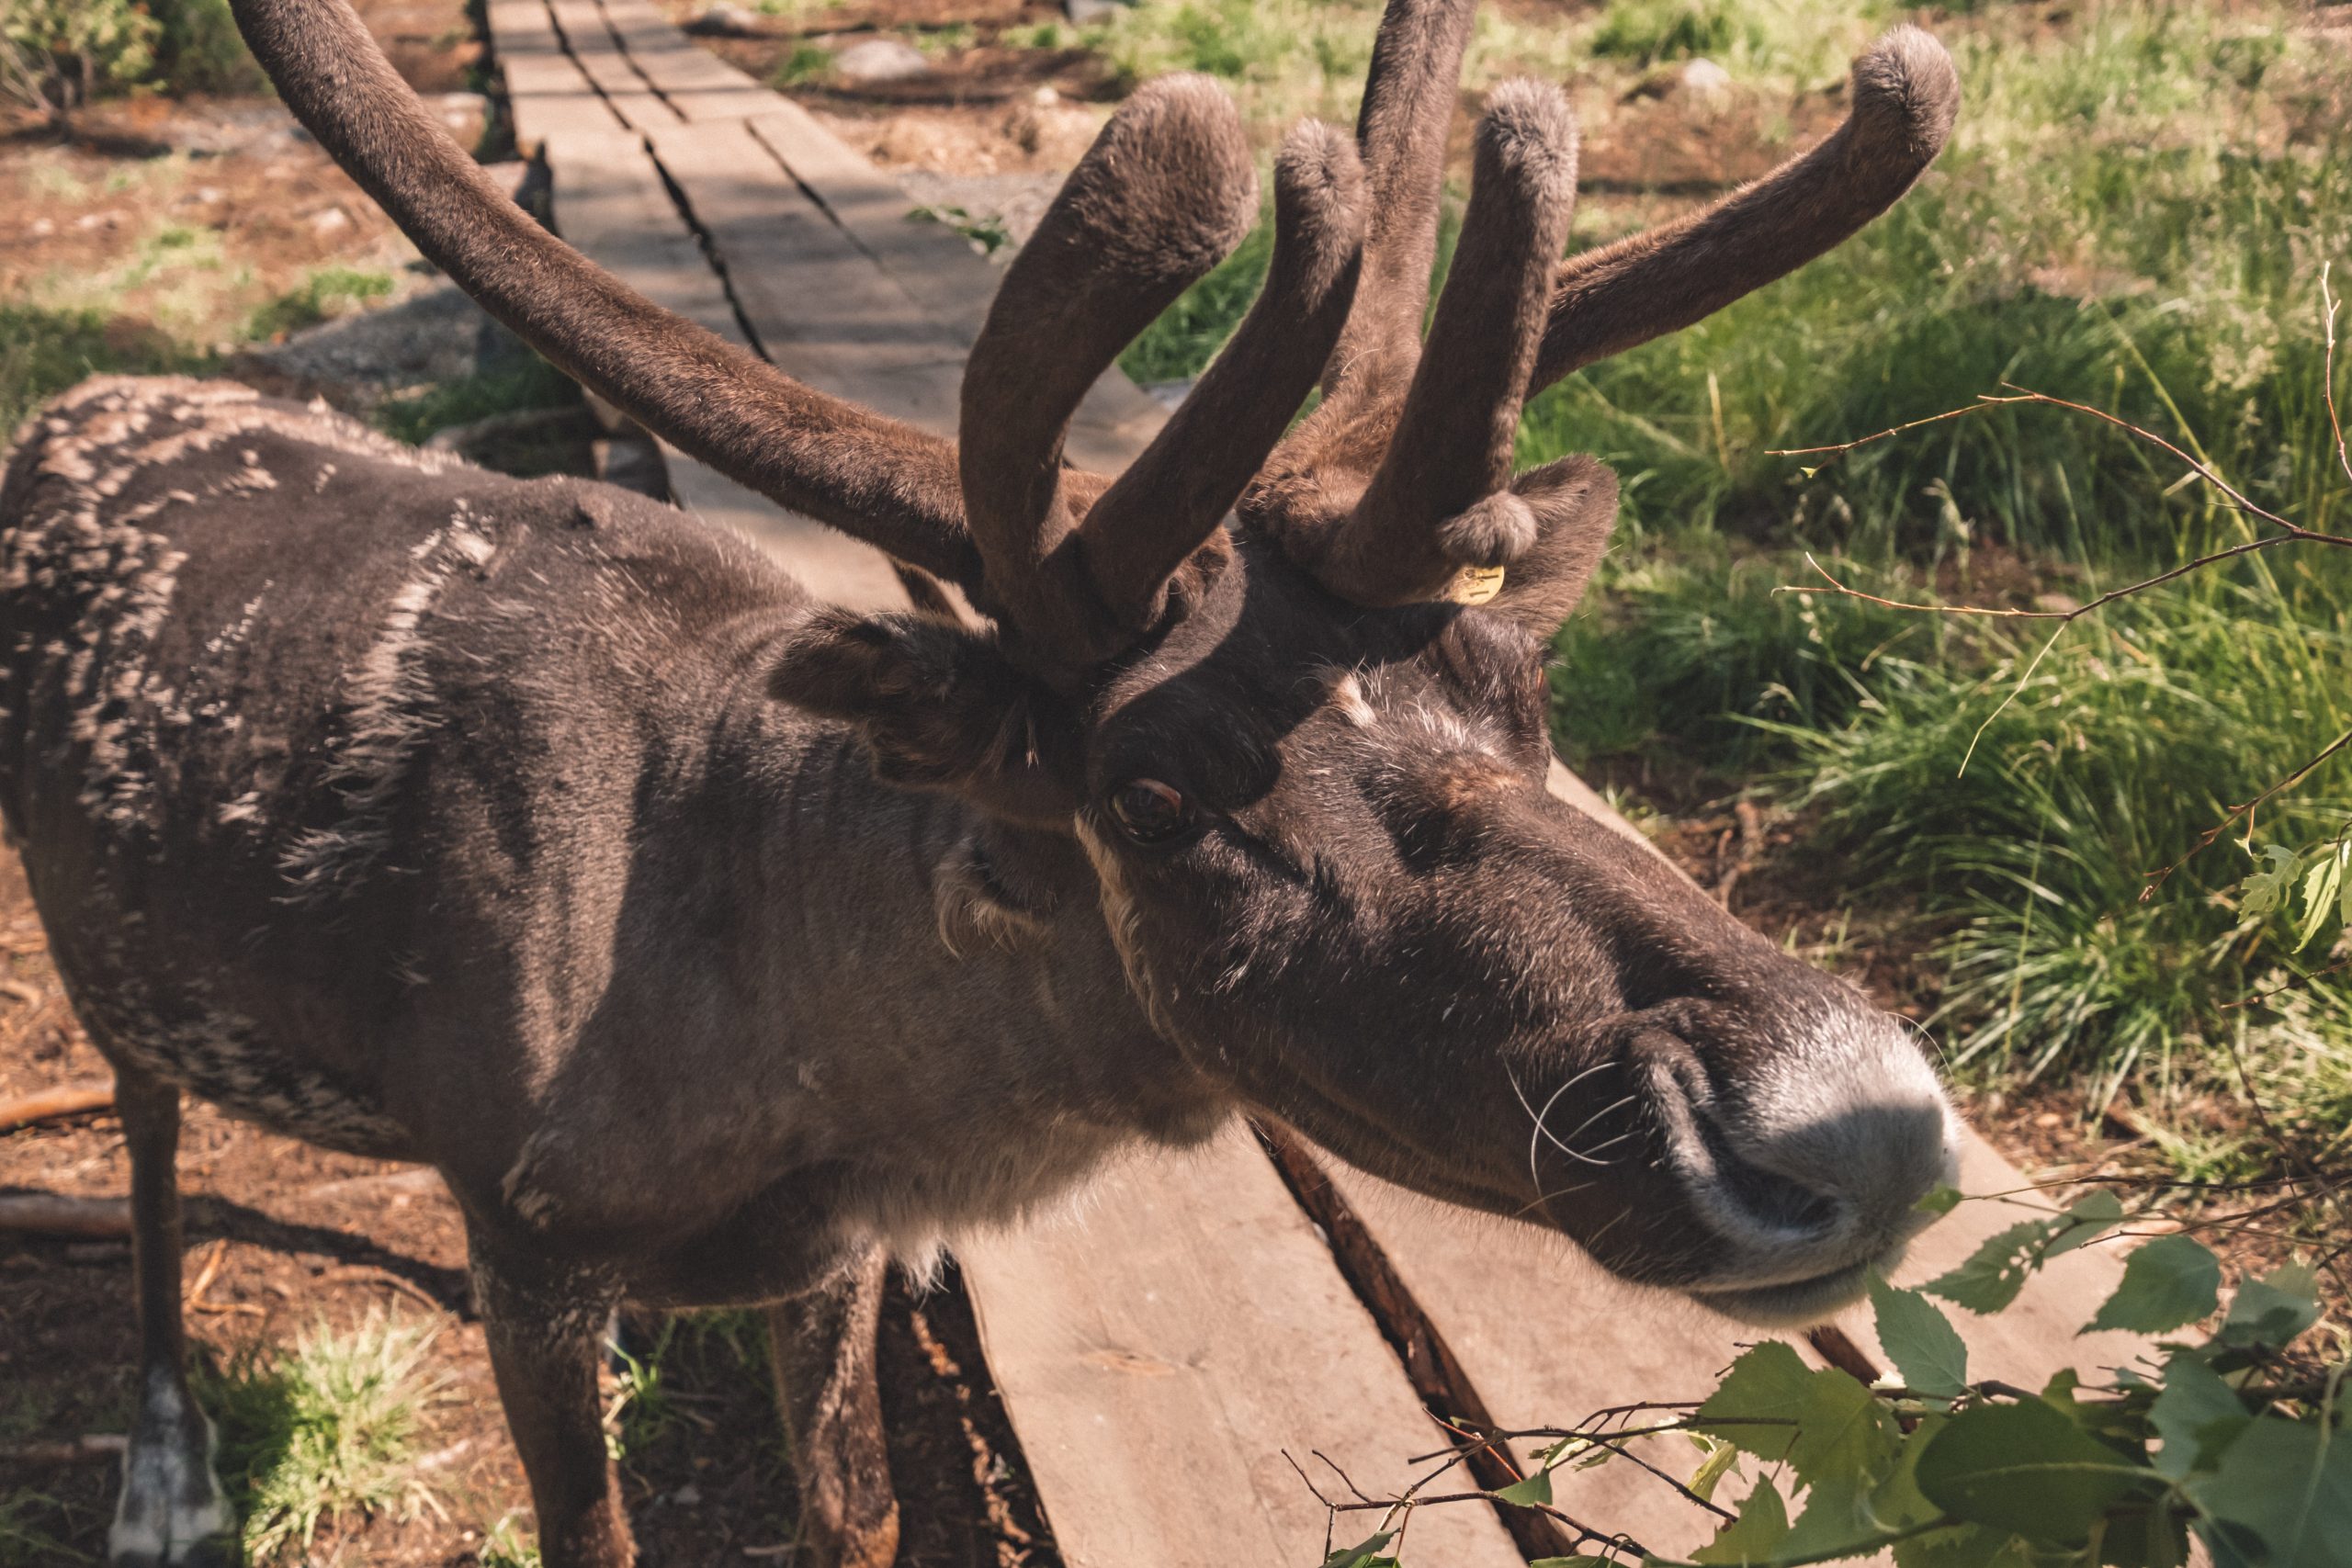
column 1439, row 499
column 883, row 482
column 1409, row 102
column 1174, row 495
column 1906, row 95
column 1165, row 192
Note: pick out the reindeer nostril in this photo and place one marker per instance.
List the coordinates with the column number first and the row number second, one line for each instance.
column 1774, row 1200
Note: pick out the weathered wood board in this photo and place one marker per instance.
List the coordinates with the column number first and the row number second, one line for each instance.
column 582, row 24
column 547, row 92
column 1162, row 1349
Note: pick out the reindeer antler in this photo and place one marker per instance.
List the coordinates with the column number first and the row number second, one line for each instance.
column 886, row 482
column 1164, row 194
column 1906, row 96
column 1401, row 479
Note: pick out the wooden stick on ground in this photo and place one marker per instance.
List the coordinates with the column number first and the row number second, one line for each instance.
column 48, row 1213
column 95, row 1447
column 55, row 1104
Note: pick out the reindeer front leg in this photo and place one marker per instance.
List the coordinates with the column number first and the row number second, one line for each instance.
column 545, row 1328
column 170, row 1513
column 823, row 1348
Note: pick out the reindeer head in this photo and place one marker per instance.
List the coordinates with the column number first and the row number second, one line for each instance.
column 1305, row 750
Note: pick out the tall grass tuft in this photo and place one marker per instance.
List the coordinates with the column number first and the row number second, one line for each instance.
column 324, row 1430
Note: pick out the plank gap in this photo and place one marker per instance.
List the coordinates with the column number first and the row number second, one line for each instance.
column 1420, row 1348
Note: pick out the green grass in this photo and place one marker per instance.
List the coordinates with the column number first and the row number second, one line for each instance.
column 807, row 63
column 25, row 1541
column 44, row 352
column 322, row 1431
column 326, row 293
column 530, row 383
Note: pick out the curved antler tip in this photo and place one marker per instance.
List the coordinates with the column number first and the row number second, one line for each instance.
column 1168, row 187
column 1906, row 93
column 1529, row 132
column 1319, row 177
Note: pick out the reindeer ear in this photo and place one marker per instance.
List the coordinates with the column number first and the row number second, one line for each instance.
column 1574, row 505
column 939, row 709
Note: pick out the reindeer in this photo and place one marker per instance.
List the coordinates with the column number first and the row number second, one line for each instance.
column 715, row 943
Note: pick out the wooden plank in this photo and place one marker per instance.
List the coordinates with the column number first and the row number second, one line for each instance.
column 829, row 563
column 820, row 306
column 611, row 206
column 585, row 40
column 932, row 263
column 697, row 83
column 1158, row 1358
column 940, row 270
column 547, row 93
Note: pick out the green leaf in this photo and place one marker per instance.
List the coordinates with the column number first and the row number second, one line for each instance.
column 2029, row 1469
column 2288, row 1483
column 1998, row 1271
column 2197, row 1414
column 2320, row 885
column 2274, row 1310
column 1762, row 1525
column 1919, row 1340
column 1969, row 1546
column 1995, row 1271
column 1852, row 1514
column 1836, row 1522
column 1943, row 1201
column 1362, row 1554
column 1535, row 1489
column 1898, row 1504
column 2170, row 1281
column 2089, row 1218
column 1821, row 1420
column 1720, row 1457
column 2267, row 890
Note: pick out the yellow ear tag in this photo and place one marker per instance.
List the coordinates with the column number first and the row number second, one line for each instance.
column 1477, row 584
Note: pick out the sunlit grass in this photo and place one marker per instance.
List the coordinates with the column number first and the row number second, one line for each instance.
column 328, row 1429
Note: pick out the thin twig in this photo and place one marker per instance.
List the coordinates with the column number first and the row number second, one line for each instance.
column 2236, row 813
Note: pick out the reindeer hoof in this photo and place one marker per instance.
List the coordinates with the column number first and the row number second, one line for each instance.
column 173, row 1513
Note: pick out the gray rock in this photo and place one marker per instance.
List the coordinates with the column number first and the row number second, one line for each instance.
column 434, row 334
column 723, row 20
column 1085, row 13
column 1017, row 201
column 881, row 60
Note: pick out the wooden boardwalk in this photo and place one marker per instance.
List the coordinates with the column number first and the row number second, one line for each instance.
column 1198, row 1318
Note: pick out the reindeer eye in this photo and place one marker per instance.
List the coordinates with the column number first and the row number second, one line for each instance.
column 1149, row 812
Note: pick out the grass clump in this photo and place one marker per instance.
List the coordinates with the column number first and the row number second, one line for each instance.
column 321, row 1431
column 1652, row 31
column 326, row 293
column 2025, row 802
column 43, row 352
column 807, row 63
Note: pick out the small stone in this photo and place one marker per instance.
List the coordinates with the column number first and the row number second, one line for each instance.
column 723, row 20
column 1701, row 82
column 881, row 60
column 686, row 1496
column 1085, row 13
column 334, row 220
column 42, row 228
